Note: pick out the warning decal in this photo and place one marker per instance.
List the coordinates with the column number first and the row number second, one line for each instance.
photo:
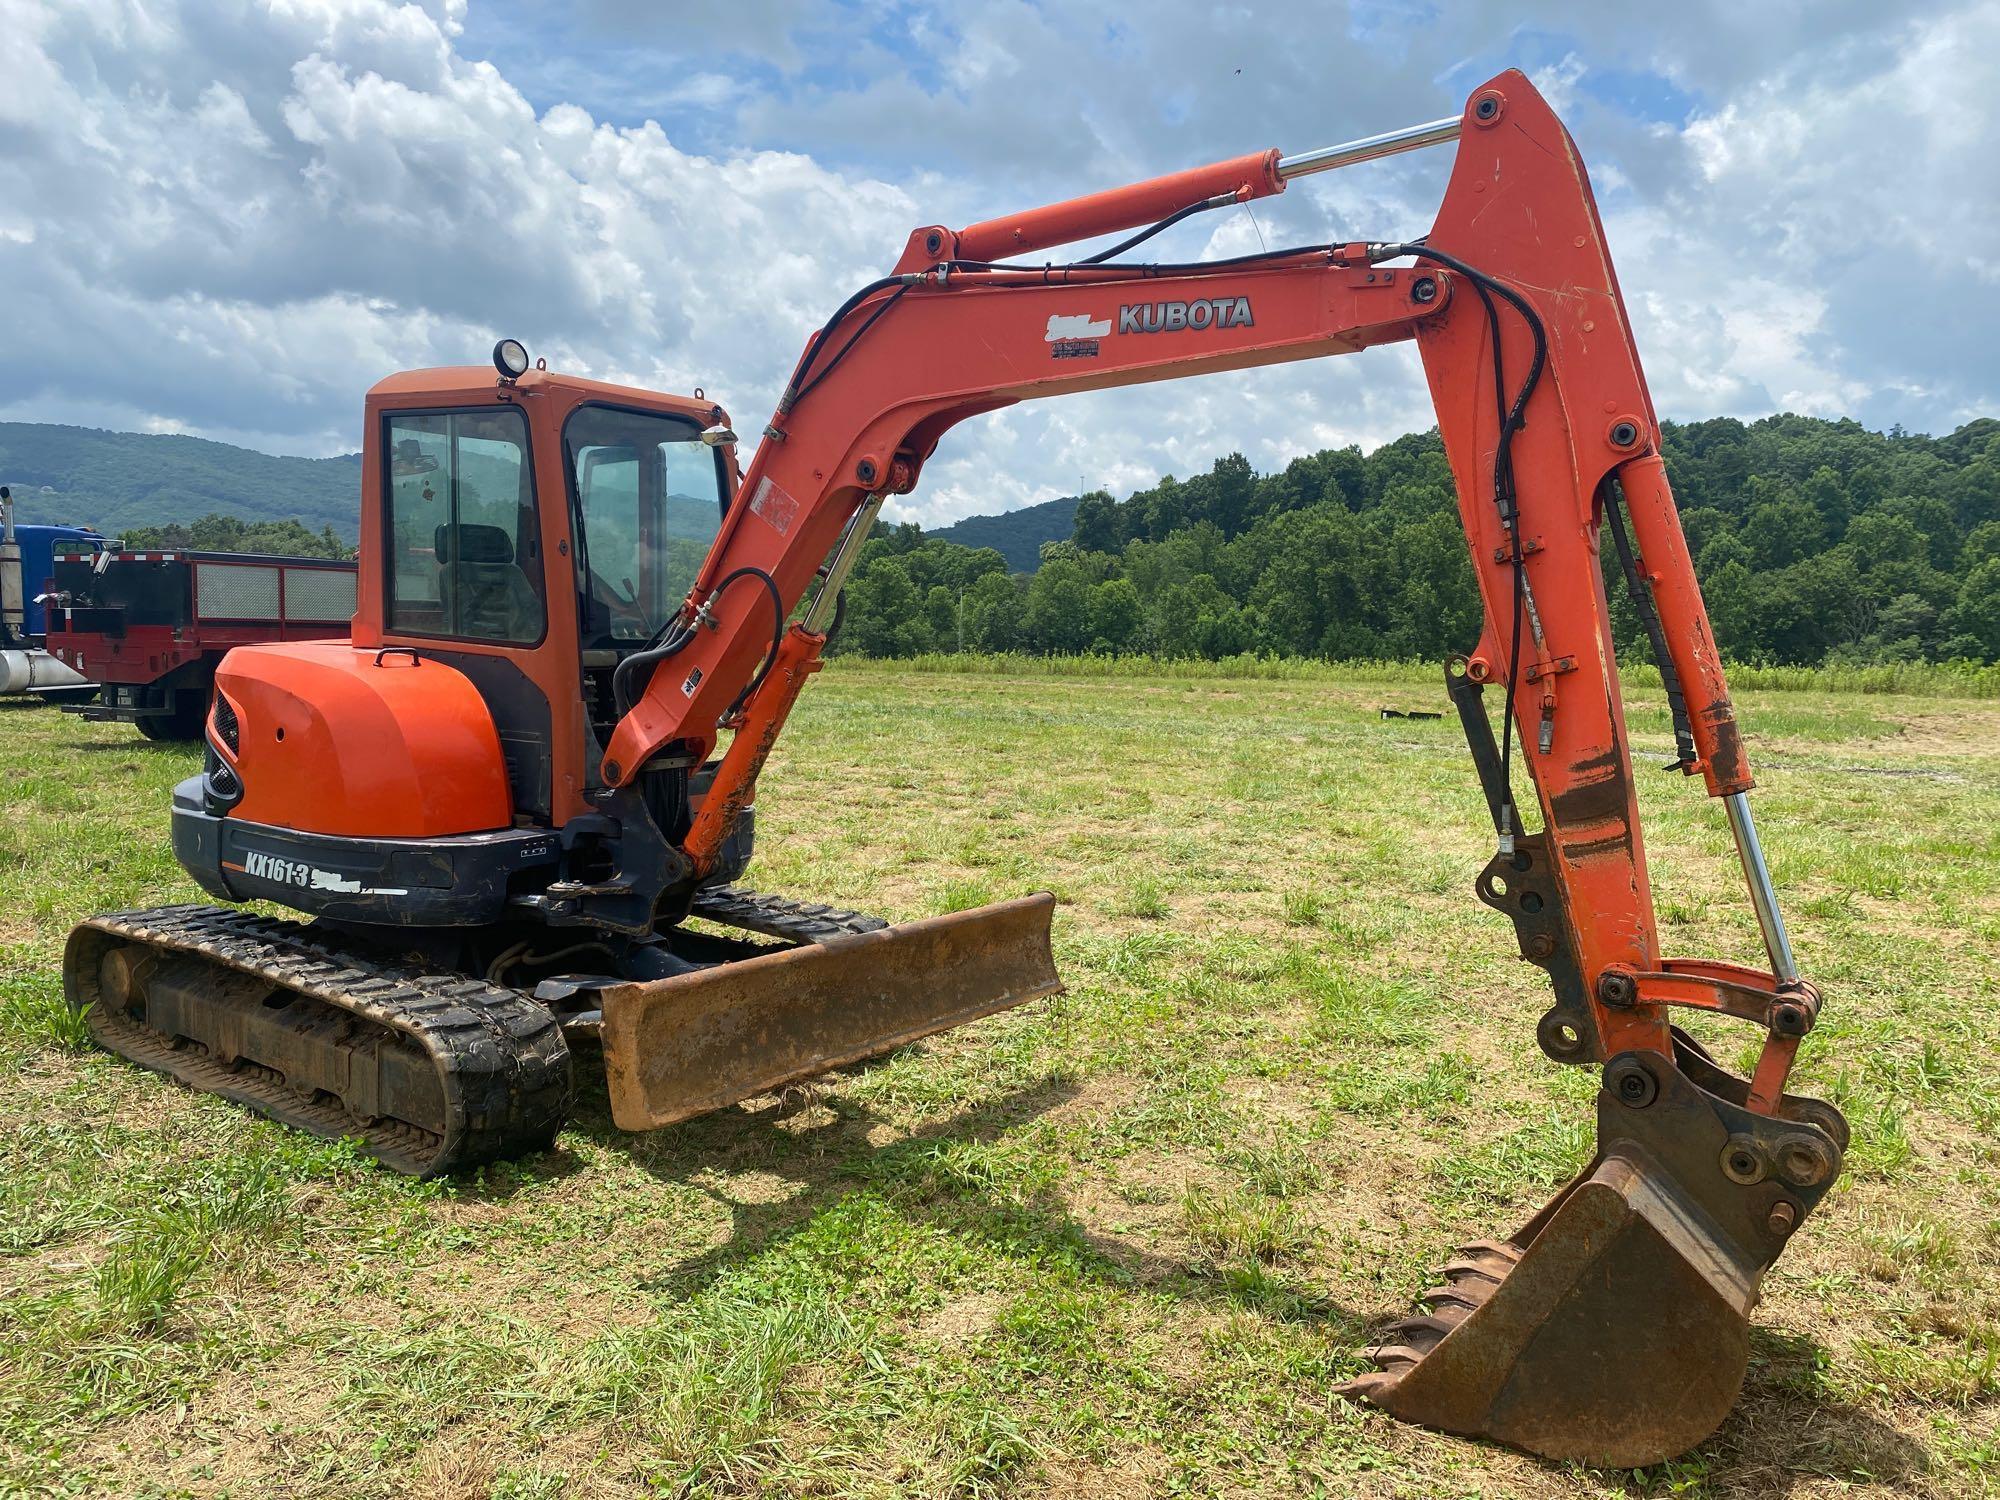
column 774, row 506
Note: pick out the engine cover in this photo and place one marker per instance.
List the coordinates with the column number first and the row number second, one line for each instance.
column 325, row 738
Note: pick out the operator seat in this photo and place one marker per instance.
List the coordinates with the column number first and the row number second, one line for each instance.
column 482, row 587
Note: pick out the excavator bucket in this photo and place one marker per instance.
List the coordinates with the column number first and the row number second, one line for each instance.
column 1613, row 1329
column 679, row 1047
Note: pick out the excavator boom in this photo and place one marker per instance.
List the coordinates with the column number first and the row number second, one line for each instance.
column 1551, row 1339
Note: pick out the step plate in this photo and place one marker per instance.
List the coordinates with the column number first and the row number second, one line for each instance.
column 680, row 1047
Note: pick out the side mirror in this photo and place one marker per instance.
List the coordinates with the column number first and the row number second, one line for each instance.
column 718, row 437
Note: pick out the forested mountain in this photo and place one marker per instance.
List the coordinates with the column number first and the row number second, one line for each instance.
column 1816, row 541
column 1018, row 535
column 121, row 481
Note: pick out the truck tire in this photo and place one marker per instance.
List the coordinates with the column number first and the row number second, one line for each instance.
column 190, row 712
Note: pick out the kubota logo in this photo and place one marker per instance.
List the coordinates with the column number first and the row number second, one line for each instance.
column 1175, row 317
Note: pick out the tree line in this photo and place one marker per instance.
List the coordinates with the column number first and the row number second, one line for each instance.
column 1817, row 543
column 220, row 533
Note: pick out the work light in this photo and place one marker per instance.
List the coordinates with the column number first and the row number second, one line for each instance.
column 510, row 358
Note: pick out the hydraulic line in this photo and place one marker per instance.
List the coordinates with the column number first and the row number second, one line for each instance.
column 792, row 398
column 1220, row 200
column 818, row 341
column 647, row 660
column 1640, row 590
column 1512, row 418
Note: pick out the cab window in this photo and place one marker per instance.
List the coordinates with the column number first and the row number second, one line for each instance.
column 464, row 544
column 649, row 500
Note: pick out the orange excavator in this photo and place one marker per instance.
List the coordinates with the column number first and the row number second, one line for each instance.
column 502, row 808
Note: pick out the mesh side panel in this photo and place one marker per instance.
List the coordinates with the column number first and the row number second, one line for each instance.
column 319, row 594
column 226, row 725
column 236, row 591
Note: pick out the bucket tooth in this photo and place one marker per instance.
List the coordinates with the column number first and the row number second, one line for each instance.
column 1459, row 1297
column 1488, row 1268
column 1614, row 1328
column 1491, row 1250
column 1425, row 1329
column 1394, row 1357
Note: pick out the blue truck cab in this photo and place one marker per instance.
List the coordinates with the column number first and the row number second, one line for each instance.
column 27, row 562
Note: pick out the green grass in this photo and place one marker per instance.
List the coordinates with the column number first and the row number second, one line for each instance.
column 1956, row 679
column 1122, row 1242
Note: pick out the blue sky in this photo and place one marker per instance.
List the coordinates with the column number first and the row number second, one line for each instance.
column 230, row 217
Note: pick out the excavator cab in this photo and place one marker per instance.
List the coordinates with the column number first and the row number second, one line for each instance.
column 431, row 792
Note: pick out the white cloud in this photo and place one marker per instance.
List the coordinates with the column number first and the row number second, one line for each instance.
column 232, row 216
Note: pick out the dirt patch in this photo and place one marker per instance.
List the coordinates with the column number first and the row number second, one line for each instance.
column 1132, row 1477
column 963, row 1320
column 1098, row 1098
column 254, row 1424
column 1963, row 730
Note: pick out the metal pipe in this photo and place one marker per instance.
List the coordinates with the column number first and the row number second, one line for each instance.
column 1783, row 966
column 1368, row 148
column 820, row 615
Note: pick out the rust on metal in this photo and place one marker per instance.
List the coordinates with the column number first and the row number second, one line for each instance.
column 1600, row 792
column 1616, row 1333
column 1731, row 763
column 680, row 1047
column 1774, row 1069
column 1614, row 1327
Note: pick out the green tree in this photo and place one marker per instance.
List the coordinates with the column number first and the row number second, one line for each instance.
column 1116, row 615
column 1815, row 540
column 1058, row 608
column 995, row 614
column 1097, row 527
column 220, row 533
column 1197, row 618
column 1976, row 615
column 885, row 614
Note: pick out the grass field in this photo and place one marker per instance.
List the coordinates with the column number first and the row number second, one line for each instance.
column 1119, row 1243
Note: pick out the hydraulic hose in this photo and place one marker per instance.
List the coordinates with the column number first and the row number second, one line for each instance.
column 1513, row 416
column 647, row 661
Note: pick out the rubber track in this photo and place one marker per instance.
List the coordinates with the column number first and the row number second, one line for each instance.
column 501, row 1055
column 779, row 916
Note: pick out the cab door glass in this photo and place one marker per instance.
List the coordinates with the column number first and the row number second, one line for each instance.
column 464, row 541
column 649, row 500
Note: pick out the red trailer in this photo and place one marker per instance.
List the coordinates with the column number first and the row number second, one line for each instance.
column 150, row 627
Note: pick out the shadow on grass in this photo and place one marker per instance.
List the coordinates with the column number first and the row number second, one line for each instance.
column 26, row 706
column 1785, row 1433
column 499, row 1181
column 1788, row 1432
column 913, row 1172
column 128, row 745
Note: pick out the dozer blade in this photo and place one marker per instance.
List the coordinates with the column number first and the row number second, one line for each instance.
column 679, row 1047
column 1614, row 1328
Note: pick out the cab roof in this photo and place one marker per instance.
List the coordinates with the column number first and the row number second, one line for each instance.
column 458, row 382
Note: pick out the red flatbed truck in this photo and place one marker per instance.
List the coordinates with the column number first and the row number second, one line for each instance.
column 150, row 626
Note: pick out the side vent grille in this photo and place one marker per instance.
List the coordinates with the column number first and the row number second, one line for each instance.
column 226, row 727
column 223, row 786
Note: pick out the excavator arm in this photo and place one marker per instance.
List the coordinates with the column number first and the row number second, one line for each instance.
column 1613, row 1327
